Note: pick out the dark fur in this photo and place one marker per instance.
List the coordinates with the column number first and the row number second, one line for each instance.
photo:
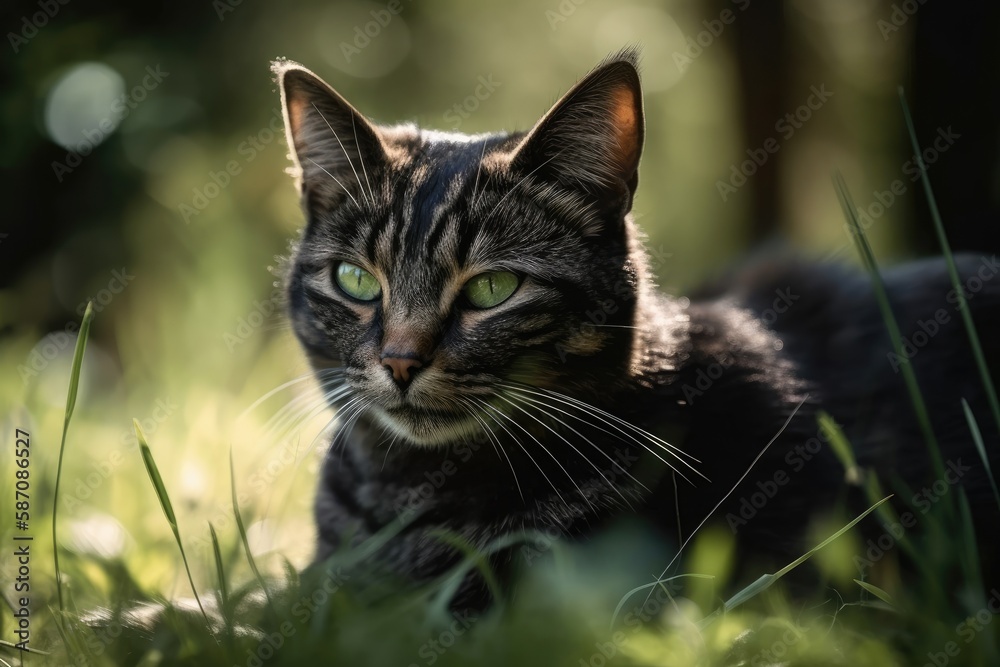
column 553, row 206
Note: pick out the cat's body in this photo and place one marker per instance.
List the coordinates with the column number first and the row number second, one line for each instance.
column 557, row 405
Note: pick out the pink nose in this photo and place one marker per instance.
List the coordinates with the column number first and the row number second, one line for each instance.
column 401, row 367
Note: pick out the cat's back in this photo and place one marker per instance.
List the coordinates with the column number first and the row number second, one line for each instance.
column 830, row 326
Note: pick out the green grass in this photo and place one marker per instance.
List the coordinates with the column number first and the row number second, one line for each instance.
column 253, row 606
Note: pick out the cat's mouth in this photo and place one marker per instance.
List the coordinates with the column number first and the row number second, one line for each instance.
column 425, row 425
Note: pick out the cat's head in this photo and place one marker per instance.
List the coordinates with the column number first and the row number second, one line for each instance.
column 436, row 268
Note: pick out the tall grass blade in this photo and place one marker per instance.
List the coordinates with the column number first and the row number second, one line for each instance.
column 977, row 437
column 970, row 327
column 768, row 580
column 243, row 535
column 168, row 509
column 868, row 257
column 74, row 384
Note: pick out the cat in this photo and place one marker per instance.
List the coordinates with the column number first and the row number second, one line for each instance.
column 481, row 311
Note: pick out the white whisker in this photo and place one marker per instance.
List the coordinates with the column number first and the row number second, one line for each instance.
column 517, row 442
column 495, row 441
column 572, row 446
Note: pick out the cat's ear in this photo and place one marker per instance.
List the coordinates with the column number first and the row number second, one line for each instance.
column 334, row 148
column 591, row 140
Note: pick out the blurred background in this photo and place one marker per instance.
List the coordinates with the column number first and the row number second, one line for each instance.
column 143, row 164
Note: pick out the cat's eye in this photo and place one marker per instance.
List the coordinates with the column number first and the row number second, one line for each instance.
column 357, row 283
column 491, row 288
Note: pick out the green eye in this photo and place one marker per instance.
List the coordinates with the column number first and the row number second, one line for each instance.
column 490, row 289
column 357, row 283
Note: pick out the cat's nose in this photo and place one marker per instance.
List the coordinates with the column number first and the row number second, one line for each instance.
column 403, row 368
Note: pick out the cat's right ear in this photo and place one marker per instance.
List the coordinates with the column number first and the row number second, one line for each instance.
column 334, row 148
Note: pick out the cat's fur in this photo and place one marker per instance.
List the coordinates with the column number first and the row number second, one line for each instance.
column 552, row 410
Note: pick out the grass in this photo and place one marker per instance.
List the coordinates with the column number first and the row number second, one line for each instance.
column 252, row 606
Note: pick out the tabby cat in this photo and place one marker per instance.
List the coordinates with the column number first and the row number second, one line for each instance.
column 481, row 312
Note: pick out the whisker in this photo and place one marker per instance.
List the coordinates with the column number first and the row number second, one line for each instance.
column 319, row 409
column 301, row 378
column 517, row 442
column 544, row 449
column 629, row 435
column 572, row 446
column 575, row 402
column 495, row 441
column 286, row 418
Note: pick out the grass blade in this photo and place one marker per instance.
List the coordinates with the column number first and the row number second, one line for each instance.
column 768, row 580
column 970, row 327
column 977, row 437
column 876, row 591
column 967, row 536
column 168, row 509
column 476, row 557
column 841, row 448
column 74, row 384
column 219, row 569
column 243, row 535
column 910, row 378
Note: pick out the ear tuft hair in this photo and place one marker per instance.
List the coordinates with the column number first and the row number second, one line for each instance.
column 333, row 146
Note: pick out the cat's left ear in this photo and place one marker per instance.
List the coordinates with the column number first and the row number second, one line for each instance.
column 591, row 140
